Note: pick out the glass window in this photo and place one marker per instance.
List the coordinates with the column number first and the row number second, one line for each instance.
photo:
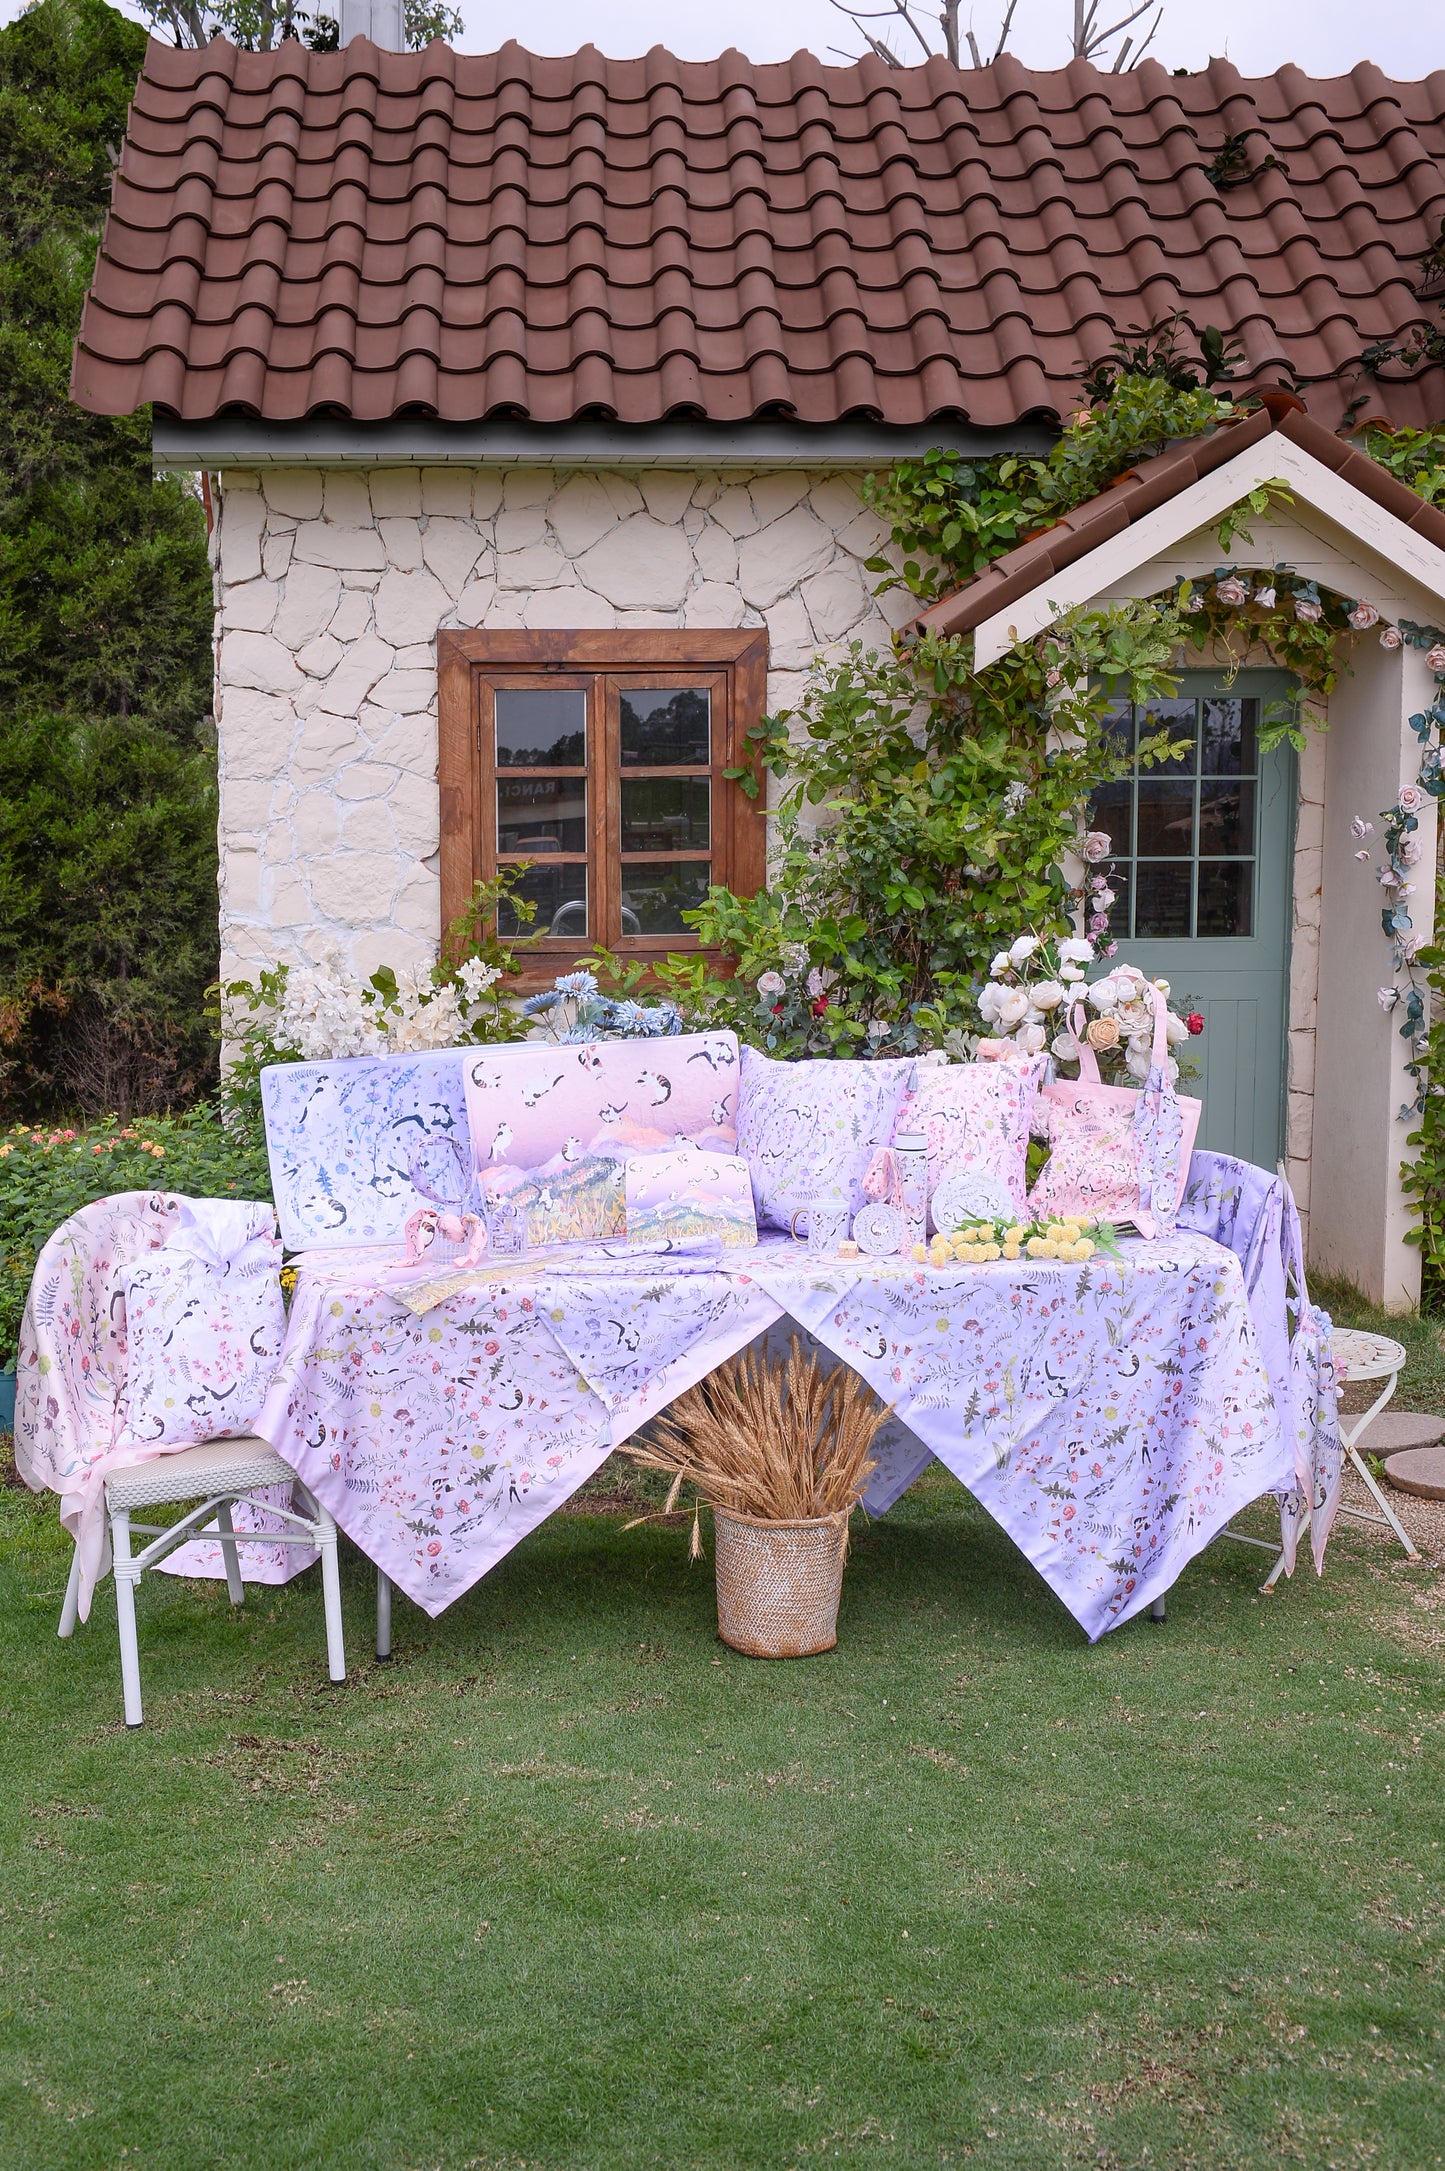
column 657, row 893
column 560, row 895
column 537, row 814
column 665, row 727
column 541, row 727
column 666, row 814
column 1184, row 832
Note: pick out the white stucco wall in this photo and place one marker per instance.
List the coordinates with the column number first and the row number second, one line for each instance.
column 331, row 586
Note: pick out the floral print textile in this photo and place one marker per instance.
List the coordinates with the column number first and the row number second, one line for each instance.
column 348, row 1140
column 809, row 1130
column 1112, row 1417
column 75, row 1403
column 975, row 1117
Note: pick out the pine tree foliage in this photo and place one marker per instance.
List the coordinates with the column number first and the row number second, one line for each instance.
column 107, row 769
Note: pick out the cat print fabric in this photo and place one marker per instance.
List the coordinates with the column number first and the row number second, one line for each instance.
column 672, row 1197
column 555, row 1126
column 1093, row 1166
column 975, row 1117
column 358, row 1145
column 810, row 1130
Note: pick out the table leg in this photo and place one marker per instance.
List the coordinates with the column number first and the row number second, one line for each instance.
column 1158, row 1612
column 383, row 1615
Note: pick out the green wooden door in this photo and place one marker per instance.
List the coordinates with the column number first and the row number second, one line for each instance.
column 1204, row 850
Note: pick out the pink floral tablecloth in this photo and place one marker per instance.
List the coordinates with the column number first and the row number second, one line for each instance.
column 1111, row 1417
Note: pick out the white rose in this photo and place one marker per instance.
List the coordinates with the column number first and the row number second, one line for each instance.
column 1001, row 963
column 1013, row 1008
column 1076, row 950
column 1163, row 986
column 1136, row 1062
column 1072, row 973
column 1047, row 995
column 1104, row 994
column 1031, row 1037
column 1065, row 1047
column 1023, row 949
column 1175, row 1029
column 989, row 1002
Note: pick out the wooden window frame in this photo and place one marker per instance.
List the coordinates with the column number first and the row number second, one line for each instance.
column 734, row 664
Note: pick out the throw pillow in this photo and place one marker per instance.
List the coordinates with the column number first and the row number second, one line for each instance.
column 809, row 1130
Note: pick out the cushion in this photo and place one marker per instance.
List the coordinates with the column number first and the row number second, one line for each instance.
column 975, row 1117
column 809, row 1130
column 204, row 1327
column 555, row 1124
column 690, row 1193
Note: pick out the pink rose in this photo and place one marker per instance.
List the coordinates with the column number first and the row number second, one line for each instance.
column 1435, row 657
column 1231, row 590
column 1195, row 603
column 1097, row 845
column 1363, row 856
column 1411, row 799
column 1359, row 827
column 1363, row 616
column 1409, row 852
column 1307, row 612
column 1390, row 637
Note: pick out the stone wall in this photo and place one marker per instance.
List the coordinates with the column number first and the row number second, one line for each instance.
column 331, row 585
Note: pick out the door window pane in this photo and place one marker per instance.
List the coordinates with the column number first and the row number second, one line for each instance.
column 1166, row 818
column 540, row 814
column 1111, row 814
column 655, row 895
column 1161, row 904
column 541, row 727
column 1177, row 719
column 666, row 814
column 665, row 727
column 1119, row 725
column 560, row 895
column 1226, row 818
column 1230, row 737
column 1226, row 897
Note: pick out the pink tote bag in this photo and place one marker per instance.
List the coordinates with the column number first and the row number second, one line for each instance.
column 1116, row 1154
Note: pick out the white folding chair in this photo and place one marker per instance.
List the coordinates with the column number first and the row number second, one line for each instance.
column 216, row 1477
column 1364, row 1358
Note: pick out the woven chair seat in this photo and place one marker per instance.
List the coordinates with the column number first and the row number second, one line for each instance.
column 220, row 1466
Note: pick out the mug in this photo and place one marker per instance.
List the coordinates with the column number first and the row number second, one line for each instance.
column 827, row 1221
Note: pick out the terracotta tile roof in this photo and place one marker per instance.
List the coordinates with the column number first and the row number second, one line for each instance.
column 1154, row 482
column 466, row 235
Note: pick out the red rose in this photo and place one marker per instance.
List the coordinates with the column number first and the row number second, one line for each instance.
column 1195, row 1022
column 820, row 1006
column 777, row 1010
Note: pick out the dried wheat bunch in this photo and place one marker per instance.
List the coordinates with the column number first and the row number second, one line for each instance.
column 779, row 1442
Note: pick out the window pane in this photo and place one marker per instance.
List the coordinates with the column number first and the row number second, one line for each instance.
column 1121, row 882
column 1226, row 818
column 541, row 727
column 1119, row 725
column 664, row 727
column 537, row 814
column 1161, row 899
column 666, row 814
column 560, row 895
column 654, row 897
column 1230, row 729
column 1166, row 819
column 1177, row 719
column 1226, row 897
column 1111, row 814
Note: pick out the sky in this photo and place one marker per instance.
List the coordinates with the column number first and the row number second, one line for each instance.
column 1324, row 37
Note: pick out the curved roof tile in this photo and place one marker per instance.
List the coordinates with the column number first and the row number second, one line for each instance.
column 460, row 234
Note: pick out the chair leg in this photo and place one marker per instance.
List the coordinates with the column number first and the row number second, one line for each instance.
column 126, row 1577
column 331, row 1596
column 71, row 1607
column 383, row 1614
column 236, row 1589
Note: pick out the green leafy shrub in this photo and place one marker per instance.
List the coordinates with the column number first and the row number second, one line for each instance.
column 108, row 925
column 46, row 1173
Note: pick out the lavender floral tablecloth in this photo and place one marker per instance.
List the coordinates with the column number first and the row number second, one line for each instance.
column 1111, row 1417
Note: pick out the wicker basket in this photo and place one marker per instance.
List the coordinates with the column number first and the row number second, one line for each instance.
column 778, row 1584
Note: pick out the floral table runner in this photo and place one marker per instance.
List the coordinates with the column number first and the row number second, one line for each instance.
column 1111, row 1417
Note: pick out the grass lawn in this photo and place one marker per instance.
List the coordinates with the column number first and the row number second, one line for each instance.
column 568, row 1884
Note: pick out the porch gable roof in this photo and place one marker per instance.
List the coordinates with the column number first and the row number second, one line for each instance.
column 1158, row 502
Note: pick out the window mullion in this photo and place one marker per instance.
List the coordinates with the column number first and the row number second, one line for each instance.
column 603, row 763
